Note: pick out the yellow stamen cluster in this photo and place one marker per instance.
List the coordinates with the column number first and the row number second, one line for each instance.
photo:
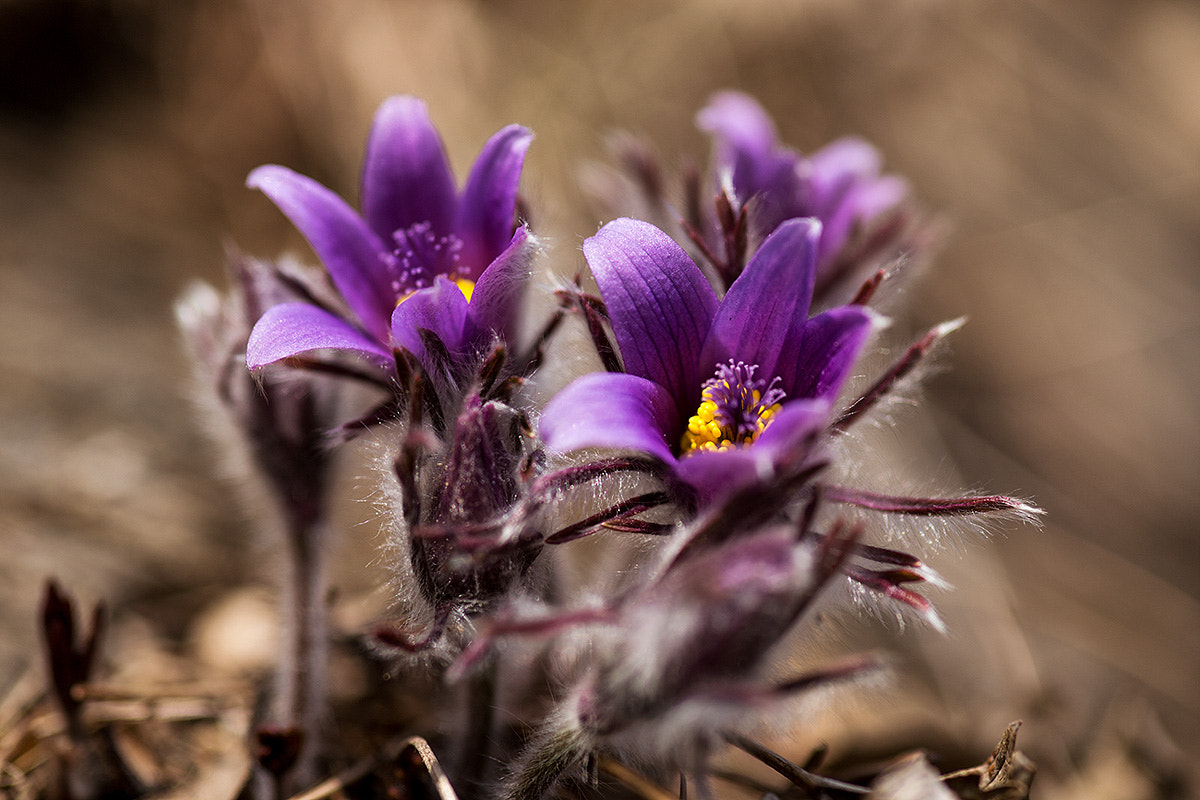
column 706, row 431
column 465, row 285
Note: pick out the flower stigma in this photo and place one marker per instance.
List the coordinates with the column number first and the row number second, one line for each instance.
column 735, row 407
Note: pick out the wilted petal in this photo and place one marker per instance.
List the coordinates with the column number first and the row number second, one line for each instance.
column 352, row 253
column 762, row 305
column 406, row 177
column 497, row 295
column 293, row 329
column 440, row 309
column 487, row 209
column 819, row 354
column 659, row 303
column 611, row 410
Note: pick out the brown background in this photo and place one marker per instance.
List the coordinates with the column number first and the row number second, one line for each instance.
column 1060, row 139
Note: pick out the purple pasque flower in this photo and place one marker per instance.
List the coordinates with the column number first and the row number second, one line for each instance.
column 421, row 256
column 840, row 184
column 714, row 388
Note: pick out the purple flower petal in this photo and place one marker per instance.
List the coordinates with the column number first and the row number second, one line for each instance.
column 859, row 201
column 745, row 136
column 440, row 309
column 795, row 422
column 761, row 306
column 487, row 209
column 660, row 304
column 714, row 474
column 611, row 410
column 819, row 354
column 848, row 156
column 747, row 147
column 293, row 329
column 406, row 177
column 497, row 295
column 874, row 197
column 352, row 253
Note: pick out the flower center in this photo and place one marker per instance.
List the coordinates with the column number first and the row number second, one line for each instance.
column 421, row 255
column 735, row 407
column 465, row 285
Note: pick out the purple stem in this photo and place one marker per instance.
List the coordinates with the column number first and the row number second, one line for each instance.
column 925, row 506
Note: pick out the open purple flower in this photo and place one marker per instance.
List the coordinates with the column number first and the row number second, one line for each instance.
column 421, row 256
column 716, row 389
column 840, row 184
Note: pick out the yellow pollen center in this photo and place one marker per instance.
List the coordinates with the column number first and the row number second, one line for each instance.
column 707, row 431
column 465, row 285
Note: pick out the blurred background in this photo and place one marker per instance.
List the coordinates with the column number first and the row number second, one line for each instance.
column 1059, row 140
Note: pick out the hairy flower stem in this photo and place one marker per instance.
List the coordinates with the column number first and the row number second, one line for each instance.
column 299, row 700
column 474, row 758
column 560, row 745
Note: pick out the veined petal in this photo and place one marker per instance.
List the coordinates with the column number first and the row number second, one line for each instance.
column 487, row 209
column 659, row 303
column 352, row 253
column 497, row 295
column 612, row 410
column 761, row 307
column 293, row 329
column 406, row 176
column 440, row 309
column 819, row 354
